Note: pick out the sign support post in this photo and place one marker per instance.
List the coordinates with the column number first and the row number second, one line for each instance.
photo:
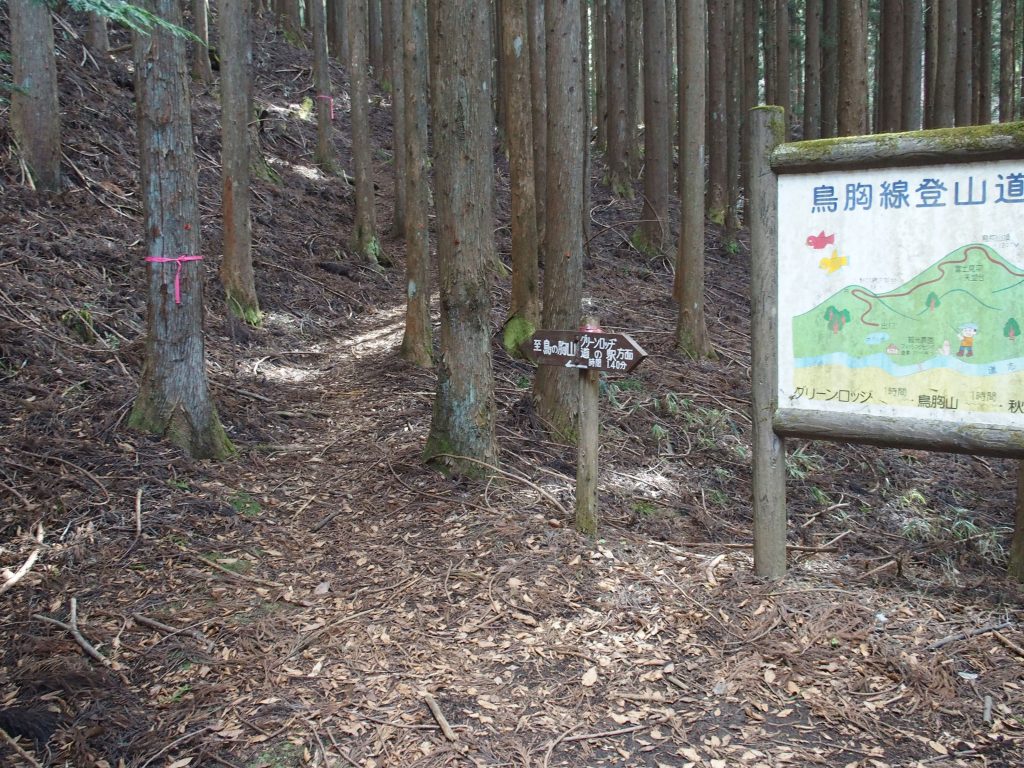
column 590, row 350
column 586, row 462
column 769, row 450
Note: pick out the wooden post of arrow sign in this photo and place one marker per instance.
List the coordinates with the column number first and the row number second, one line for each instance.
column 590, row 350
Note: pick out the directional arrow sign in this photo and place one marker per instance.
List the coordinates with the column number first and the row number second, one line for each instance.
column 616, row 352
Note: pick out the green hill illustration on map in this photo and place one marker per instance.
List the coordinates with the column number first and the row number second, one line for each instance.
column 949, row 337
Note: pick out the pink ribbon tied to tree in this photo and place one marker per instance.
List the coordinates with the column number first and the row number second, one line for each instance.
column 330, row 101
column 178, row 260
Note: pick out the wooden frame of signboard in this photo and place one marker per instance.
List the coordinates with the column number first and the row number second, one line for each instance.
column 772, row 422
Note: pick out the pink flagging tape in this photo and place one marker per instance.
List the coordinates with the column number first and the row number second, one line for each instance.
column 179, row 260
column 330, row 101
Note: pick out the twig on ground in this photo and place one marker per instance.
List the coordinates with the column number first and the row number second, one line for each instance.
column 343, row 509
column 968, row 633
column 72, row 628
column 167, row 629
column 1008, row 643
column 13, row 577
column 615, row 732
column 519, row 478
column 735, row 545
column 233, row 574
column 556, row 742
column 19, row 750
column 67, row 463
column 435, row 710
column 180, row 740
column 879, row 569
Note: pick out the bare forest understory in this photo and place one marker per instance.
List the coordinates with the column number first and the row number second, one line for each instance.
column 324, row 598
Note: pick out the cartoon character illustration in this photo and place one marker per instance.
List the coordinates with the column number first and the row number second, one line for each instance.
column 967, row 333
column 819, row 241
column 833, row 263
column 944, row 350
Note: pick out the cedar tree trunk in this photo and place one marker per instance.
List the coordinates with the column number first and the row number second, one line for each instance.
column 236, row 272
column 652, row 234
column 463, row 124
column 35, row 110
column 691, row 328
column 417, row 346
column 364, row 229
column 556, row 390
column 515, row 68
column 174, row 397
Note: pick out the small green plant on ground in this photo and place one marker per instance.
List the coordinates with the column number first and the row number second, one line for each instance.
column 819, row 496
column 79, row 322
column 660, row 435
column 718, row 497
column 284, row 754
column 800, row 463
column 949, row 525
column 179, row 483
column 244, row 504
column 233, row 564
column 644, row 508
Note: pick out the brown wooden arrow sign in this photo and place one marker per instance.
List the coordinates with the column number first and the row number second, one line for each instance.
column 595, row 351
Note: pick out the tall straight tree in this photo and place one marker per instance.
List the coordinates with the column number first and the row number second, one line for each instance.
column 983, row 68
column 652, row 234
column 515, row 69
column 913, row 51
column 374, row 37
column 322, row 83
column 944, row 94
column 634, row 78
column 463, row 121
column 852, row 108
column 417, row 346
column 890, row 40
column 618, row 179
column 734, row 118
column 96, row 36
column 964, row 89
column 599, row 23
column 539, row 100
column 556, row 390
column 35, row 111
column 336, row 32
column 174, row 397
column 751, row 77
column 202, row 69
column 236, row 272
column 812, row 69
column 717, row 116
column 829, row 67
column 364, row 230
column 1007, row 58
column 769, row 30
column 691, row 327
column 394, row 48
column 585, row 72
column 783, row 93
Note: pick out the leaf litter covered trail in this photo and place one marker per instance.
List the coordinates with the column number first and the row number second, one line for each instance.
column 325, row 599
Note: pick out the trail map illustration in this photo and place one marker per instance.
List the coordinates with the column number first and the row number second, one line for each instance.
column 901, row 292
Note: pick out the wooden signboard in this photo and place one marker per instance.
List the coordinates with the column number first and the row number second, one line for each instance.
column 589, row 350
column 887, row 299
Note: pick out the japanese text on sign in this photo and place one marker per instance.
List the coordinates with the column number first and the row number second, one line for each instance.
column 929, row 192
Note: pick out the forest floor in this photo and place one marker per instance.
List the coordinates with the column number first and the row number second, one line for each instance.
column 309, row 601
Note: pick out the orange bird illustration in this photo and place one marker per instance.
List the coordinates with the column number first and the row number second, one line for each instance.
column 819, row 241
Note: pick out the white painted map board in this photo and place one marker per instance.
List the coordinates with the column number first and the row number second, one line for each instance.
column 901, row 292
